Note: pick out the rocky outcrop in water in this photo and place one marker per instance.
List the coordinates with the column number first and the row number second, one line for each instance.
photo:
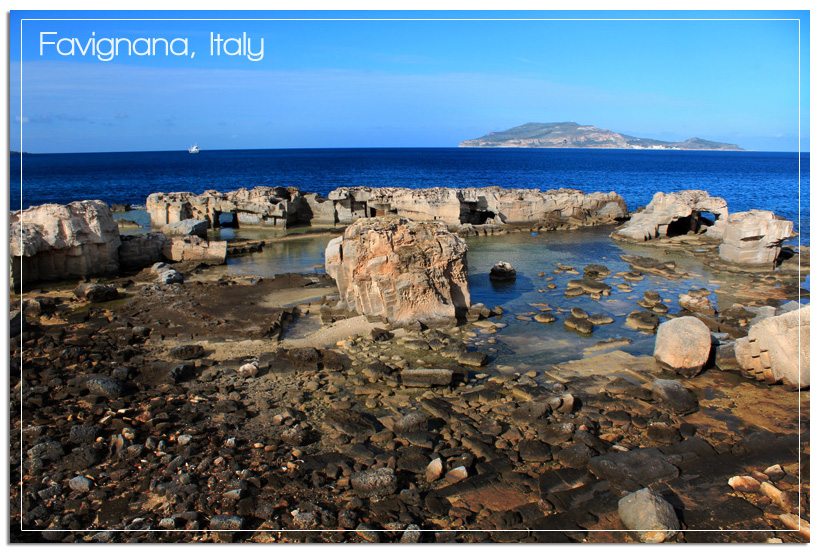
column 670, row 214
column 283, row 207
column 400, row 270
column 752, row 237
column 51, row 242
column 194, row 248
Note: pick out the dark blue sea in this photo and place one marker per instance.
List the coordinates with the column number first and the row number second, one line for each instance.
column 747, row 180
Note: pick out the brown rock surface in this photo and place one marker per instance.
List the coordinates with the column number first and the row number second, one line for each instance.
column 400, row 270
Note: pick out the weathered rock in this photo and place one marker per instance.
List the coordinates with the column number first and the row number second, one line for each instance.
column 227, row 522
column 502, row 272
column 402, row 271
column 95, row 292
column 777, row 349
column 56, row 242
column 187, row 351
column 642, row 320
column 674, row 395
column 187, row 227
column 598, row 319
column 634, row 469
column 589, row 286
column 545, row 318
column 697, row 304
column 683, row 344
column 80, row 484
column 141, row 250
column 596, row 271
column 670, row 214
column 745, row 484
column 374, row 482
column 104, row 386
column 194, row 248
column 473, row 358
column 425, row 378
column 751, row 237
column 648, row 514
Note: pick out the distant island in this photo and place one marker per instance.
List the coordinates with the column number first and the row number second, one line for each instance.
column 573, row 135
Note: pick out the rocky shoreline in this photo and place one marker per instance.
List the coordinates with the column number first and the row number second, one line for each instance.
column 167, row 398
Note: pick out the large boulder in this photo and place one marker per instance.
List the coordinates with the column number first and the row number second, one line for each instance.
column 752, row 237
column 683, row 344
column 670, row 214
column 54, row 242
column 400, row 270
column 777, row 349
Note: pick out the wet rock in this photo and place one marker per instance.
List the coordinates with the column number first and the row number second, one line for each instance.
column 674, row 395
column 650, row 516
column 634, row 469
column 374, row 482
column 578, row 313
column 226, row 522
column 425, row 378
column 96, row 293
column 697, row 303
column 642, row 320
column 502, row 271
column 187, row 351
column 596, row 271
column 600, row 319
column 584, row 326
column 545, row 318
column 589, row 286
column 473, row 358
column 683, row 344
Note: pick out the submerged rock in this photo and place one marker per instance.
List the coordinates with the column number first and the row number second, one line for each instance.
column 674, row 395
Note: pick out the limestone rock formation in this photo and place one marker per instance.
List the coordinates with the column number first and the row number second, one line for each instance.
column 282, row 207
column 260, row 206
column 188, row 227
column 141, row 250
column 683, row 344
column 752, row 237
column 400, row 270
column 777, row 349
column 479, row 205
column 194, row 248
column 669, row 214
column 52, row 242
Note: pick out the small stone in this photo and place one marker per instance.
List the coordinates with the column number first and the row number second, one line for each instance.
column 456, row 475
column 226, row 522
column 248, row 370
column 473, row 358
column 674, row 395
column 186, row 352
column 80, row 484
column 374, row 482
column 502, row 271
column 433, row 470
column 745, row 484
column 649, row 515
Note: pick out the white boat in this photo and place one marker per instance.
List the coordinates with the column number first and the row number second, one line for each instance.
column 193, row 149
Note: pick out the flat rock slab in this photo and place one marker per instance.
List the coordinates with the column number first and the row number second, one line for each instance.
column 425, row 378
column 633, row 470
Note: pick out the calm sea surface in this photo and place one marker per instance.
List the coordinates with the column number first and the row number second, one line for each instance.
column 747, row 180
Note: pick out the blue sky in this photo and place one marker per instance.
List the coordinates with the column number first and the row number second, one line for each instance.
column 410, row 83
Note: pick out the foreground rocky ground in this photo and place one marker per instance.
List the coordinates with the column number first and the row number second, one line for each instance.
column 177, row 407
